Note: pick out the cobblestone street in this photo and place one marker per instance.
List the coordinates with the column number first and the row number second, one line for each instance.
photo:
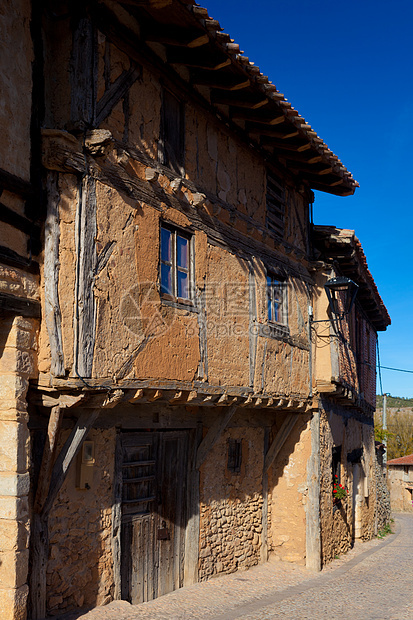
column 374, row 581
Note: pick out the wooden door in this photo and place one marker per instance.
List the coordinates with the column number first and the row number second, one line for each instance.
column 154, row 472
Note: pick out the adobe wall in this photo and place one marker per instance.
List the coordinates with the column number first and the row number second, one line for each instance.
column 340, row 523
column 80, row 566
column 136, row 334
column 398, row 481
column 287, row 500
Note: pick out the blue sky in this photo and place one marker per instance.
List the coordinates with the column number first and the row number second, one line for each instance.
column 347, row 68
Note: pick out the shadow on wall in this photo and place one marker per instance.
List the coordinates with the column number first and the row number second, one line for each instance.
column 152, row 473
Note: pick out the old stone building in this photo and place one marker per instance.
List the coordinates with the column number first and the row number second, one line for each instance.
column 400, row 483
column 168, row 410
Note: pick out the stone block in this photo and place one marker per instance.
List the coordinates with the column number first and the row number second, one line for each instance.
column 13, row 603
column 13, row 535
column 12, row 414
column 14, row 446
column 12, row 387
column 14, row 508
column 20, row 339
column 13, row 568
column 14, row 360
column 14, row 484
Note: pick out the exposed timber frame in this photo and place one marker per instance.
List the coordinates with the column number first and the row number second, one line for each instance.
column 51, row 277
column 52, row 474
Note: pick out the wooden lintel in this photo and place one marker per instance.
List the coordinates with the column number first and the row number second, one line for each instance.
column 213, row 434
column 280, row 439
column 20, row 306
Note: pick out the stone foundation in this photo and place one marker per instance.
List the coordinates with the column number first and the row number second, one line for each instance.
column 18, row 348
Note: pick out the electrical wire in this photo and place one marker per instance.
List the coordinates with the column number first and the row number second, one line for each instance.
column 396, row 369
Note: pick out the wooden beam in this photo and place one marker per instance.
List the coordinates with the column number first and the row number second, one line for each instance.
column 51, row 276
column 214, row 433
column 264, row 131
column 83, row 74
column 85, row 318
column 270, row 119
column 221, row 81
column 176, row 37
column 220, row 97
column 116, row 92
column 8, row 216
column 198, row 58
column 20, row 306
column 15, row 184
column 72, row 447
column 10, row 257
column 280, row 439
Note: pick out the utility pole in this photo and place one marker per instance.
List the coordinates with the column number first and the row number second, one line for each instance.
column 385, row 428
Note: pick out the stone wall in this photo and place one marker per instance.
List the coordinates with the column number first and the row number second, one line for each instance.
column 18, row 347
column 231, row 506
column 354, row 516
column 383, row 506
column 80, row 567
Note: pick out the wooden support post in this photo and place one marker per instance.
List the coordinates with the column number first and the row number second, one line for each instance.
column 85, row 322
column 39, row 533
column 280, row 439
column 214, row 433
column 51, row 276
column 193, row 523
column 313, row 533
column 253, row 327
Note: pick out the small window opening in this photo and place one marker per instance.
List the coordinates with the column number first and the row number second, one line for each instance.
column 234, row 455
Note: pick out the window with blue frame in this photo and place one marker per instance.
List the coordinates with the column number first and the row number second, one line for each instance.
column 276, row 300
column 175, row 264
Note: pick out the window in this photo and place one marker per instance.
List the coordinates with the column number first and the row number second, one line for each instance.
column 276, row 299
column 175, row 264
column 275, row 205
column 171, row 141
column 336, row 464
column 234, row 455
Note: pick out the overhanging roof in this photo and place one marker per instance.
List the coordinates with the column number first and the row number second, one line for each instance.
column 343, row 247
column 184, row 36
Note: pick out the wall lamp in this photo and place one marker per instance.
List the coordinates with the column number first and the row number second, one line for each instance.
column 341, row 293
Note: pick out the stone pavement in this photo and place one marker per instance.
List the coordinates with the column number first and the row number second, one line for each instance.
column 373, row 581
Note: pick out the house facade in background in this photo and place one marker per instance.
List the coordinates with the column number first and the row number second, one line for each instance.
column 400, row 483
column 176, row 397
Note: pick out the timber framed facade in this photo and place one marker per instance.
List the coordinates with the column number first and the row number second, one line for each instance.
column 163, row 399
